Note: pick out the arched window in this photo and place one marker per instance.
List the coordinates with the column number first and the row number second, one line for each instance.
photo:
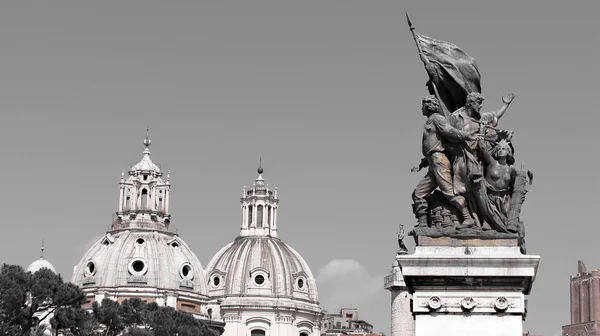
column 257, row 332
column 259, row 216
column 269, row 210
column 144, row 199
column 249, row 214
column 303, row 334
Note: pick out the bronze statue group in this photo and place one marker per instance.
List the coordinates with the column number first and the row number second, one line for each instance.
column 471, row 187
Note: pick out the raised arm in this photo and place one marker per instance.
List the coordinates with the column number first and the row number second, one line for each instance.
column 506, row 100
column 485, row 155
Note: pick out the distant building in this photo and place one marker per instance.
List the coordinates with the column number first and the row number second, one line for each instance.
column 346, row 322
column 585, row 303
column 42, row 316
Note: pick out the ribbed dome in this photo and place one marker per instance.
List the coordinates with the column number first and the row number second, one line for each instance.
column 146, row 164
column 141, row 258
column 263, row 266
column 39, row 264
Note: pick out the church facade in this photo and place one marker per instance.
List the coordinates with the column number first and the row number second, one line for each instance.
column 254, row 286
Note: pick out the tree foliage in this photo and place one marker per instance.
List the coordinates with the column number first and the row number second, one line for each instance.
column 26, row 299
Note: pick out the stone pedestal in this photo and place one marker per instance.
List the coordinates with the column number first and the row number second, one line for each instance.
column 468, row 287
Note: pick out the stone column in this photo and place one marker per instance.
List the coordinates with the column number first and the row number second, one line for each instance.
column 595, row 299
column 584, row 305
column 575, row 316
column 121, row 192
column 403, row 323
column 402, row 319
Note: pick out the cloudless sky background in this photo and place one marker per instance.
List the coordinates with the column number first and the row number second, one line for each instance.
column 327, row 92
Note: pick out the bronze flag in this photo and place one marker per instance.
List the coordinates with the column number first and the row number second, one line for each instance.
column 453, row 71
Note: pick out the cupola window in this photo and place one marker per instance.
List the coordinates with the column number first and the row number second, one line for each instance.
column 90, row 268
column 144, row 199
column 137, row 267
column 140, row 241
column 216, row 281
column 186, row 272
column 145, row 177
column 300, row 283
column 259, row 216
column 250, row 214
column 259, row 279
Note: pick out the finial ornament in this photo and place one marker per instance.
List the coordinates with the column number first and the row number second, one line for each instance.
column 147, row 141
column 42, row 254
column 244, row 191
column 260, row 170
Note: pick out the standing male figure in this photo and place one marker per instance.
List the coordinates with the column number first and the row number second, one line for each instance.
column 469, row 119
column 436, row 132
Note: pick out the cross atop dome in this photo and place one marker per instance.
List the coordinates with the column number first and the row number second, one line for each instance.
column 259, row 208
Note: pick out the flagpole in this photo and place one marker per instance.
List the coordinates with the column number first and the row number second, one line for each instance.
column 426, row 62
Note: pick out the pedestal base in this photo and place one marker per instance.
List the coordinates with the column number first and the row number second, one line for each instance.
column 468, row 287
column 461, row 325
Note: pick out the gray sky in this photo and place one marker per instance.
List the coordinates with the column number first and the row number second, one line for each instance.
column 327, row 92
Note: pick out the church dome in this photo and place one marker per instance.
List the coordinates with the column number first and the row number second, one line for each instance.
column 257, row 263
column 140, row 258
column 261, row 265
column 39, row 264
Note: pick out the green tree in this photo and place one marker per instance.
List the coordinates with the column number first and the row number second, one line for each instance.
column 109, row 315
column 26, row 298
column 167, row 321
column 74, row 319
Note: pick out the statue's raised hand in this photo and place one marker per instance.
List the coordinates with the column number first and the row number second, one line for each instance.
column 508, row 98
column 415, row 169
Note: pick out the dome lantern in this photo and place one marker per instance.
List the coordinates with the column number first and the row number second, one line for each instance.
column 144, row 196
column 259, row 209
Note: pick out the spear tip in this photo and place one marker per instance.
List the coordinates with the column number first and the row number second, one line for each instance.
column 409, row 22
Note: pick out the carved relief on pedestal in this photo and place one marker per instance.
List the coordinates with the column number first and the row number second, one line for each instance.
column 463, row 302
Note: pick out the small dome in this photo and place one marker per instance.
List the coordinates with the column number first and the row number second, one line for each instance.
column 141, row 258
column 146, row 163
column 261, row 266
column 39, row 264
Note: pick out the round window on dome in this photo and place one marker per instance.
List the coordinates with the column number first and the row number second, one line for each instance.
column 259, row 279
column 186, row 271
column 300, row 283
column 90, row 268
column 138, row 267
column 216, row 281
column 140, row 241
